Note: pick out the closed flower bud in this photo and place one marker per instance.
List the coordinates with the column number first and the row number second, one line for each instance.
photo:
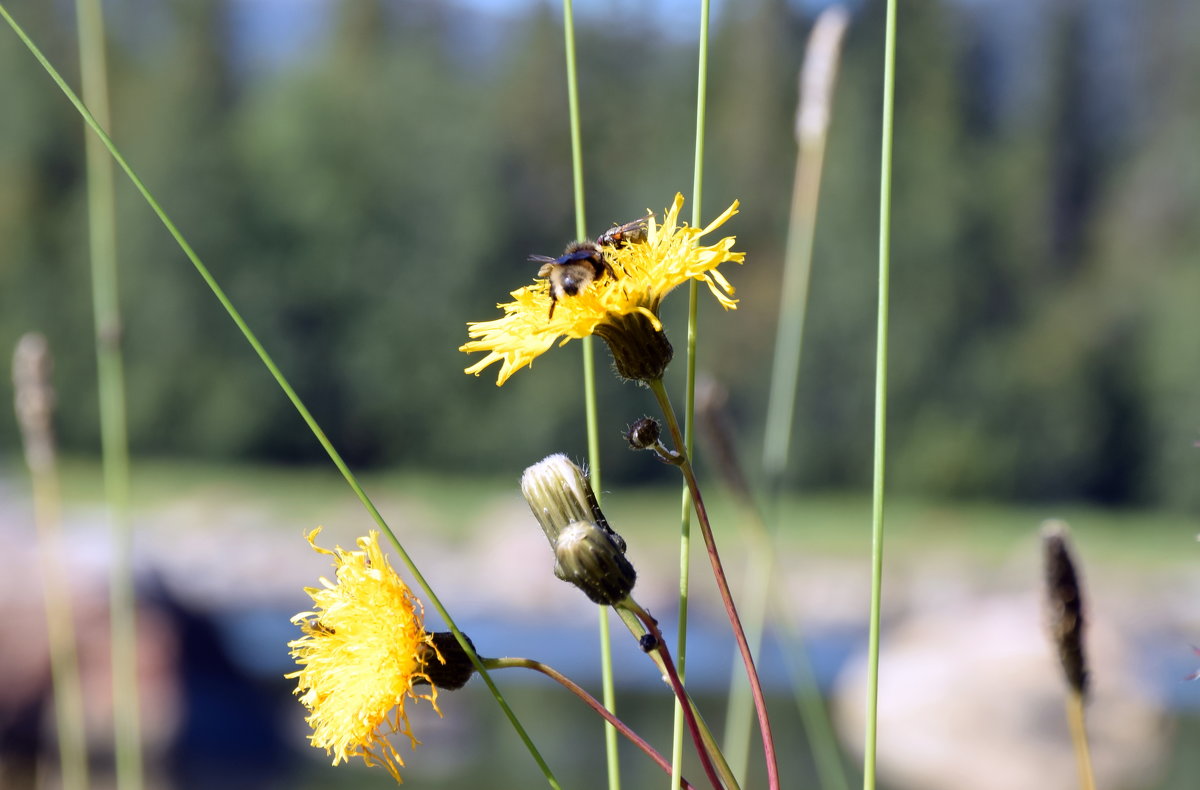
column 588, row 553
column 588, row 557
column 644, row 434
column 558, row 494
column 447, row 665
column 640, row 349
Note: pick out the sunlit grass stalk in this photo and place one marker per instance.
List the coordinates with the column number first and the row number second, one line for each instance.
column 685, row 466
column 102, row 247
column 612, row 755
column 885, row 219
column 685, row 516
column 283, row 383
column 817, row 80
column 34, row 401
column 1079, row 741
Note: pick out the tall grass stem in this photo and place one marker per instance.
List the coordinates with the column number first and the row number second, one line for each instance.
column 110, row 368
column 34, row 400
column 881, row 358
column 283, row 384
column 591, row 417
column 685, row 515
column 1079, row 739
column 818, row 77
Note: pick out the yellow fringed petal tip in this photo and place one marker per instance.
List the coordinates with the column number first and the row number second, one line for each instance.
column 362, row 651
column 645, row 272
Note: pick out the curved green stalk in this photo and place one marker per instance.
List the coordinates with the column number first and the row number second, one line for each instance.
column 110, row 369
column 885, row 218
column 284, row 385
column 612, row 755
column 685, row 516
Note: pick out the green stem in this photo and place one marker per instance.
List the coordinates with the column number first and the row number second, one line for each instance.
column 885, row 211
column 34, row 399
column 617, row 725
column 102, row 242
column 60, row 630
column 685, row 466
column 685, row 516
column 591, row 420
column 284, row 385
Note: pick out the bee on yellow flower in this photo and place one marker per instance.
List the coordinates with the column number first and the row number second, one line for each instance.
column 621, row 308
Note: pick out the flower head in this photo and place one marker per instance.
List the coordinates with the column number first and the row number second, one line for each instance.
column 622, row 309
column 364, row 648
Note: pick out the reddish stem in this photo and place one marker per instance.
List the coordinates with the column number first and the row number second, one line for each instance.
column 760, row 702
column 593, row 703
column 660, row 646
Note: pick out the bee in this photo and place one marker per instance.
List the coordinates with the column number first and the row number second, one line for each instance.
column 583, row 262
column 574, row 270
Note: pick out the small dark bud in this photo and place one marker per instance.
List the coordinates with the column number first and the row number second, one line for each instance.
column 455, row 668
column 1065, row 604
column 644, row 434
column 647, row 642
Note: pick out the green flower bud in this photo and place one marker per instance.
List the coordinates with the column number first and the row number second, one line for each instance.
column 588, row 557
column 588, row 553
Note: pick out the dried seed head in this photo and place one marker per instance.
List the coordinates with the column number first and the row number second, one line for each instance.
column 33, row 397
column 1065, row 604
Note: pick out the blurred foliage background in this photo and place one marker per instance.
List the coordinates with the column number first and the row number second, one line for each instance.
column 364, row 178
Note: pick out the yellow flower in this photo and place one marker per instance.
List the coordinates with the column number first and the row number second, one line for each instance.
column 612, row 307
column 363, row 649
